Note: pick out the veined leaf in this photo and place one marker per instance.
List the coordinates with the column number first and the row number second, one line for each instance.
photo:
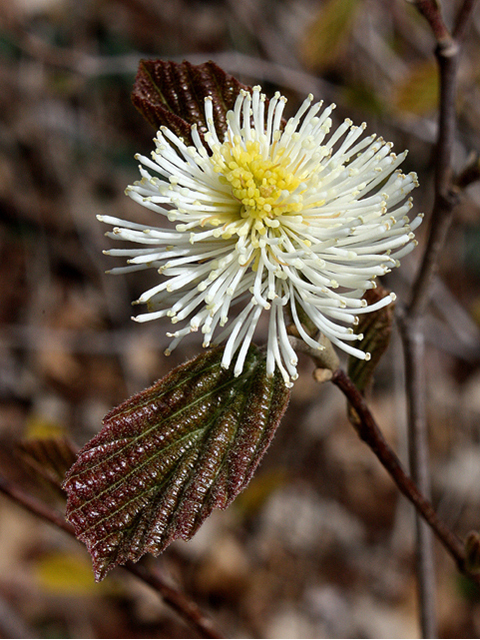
column 376, row 328
column 173, row 94
column 168, row 456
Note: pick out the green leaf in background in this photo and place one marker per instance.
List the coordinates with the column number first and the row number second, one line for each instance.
column 168, row 456
column 173, row 94
column 328, row 34
column 418, row 91
column 376, row 328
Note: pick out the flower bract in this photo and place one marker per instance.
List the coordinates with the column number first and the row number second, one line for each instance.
column 292, row 220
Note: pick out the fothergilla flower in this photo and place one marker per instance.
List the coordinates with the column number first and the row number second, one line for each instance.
column 290, row 221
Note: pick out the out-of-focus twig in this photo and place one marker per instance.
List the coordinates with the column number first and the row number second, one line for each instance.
column 259, row 23
column 89, row 65
column 235, row 62
column 470, row 173
column 11, row 624
column 463, row 19
column 411, row 321
column 418, row 454
column 184, row 606
column 430, row 9
column 445, row 196
column 447, row 54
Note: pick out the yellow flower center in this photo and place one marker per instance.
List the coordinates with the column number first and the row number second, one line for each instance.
column 263, row 187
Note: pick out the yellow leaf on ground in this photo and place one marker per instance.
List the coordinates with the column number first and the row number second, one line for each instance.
column 66, row 574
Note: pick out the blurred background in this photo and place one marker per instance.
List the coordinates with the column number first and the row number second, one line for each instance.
column 321, row 543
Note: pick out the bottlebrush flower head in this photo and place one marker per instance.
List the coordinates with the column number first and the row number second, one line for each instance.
column 289, row 221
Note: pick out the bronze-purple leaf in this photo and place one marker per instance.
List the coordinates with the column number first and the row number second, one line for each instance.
column 169, row 455
column 173, row 94
column 48, row 458
column 376, row 328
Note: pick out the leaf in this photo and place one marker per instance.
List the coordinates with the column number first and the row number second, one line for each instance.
column 329, row 33
column 65, row 574
column 173, row 94
column 418, row 92
column 376, row 328
column 168, row 456
column 48, row 458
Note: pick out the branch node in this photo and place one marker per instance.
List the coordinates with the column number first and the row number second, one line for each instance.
column 447, row 47
column 322, row 375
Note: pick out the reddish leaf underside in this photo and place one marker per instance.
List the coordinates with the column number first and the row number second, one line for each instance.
column 376, row 328
column 168, row 456
column 173, row 94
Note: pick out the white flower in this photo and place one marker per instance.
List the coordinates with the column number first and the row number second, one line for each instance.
column 288, row 222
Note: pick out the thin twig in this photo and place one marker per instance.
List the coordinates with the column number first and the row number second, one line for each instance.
column 370, row 433
column 463, row 19
column 446, row 196
column 418, row 455
column 431, row 11
column 33, row 505
column 185, row 607
column 176, row 599
column 445, row 199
